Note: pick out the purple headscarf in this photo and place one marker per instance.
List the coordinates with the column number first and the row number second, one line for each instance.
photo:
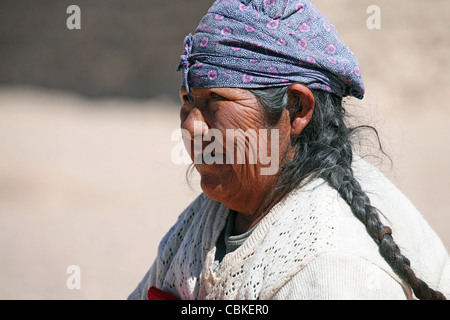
column 263, row 43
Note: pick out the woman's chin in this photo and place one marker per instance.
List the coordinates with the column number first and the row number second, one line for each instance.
column 212, row 186
column 219, row 186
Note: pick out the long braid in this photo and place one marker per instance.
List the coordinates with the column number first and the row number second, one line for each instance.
column 340, row 176
column 324, row 150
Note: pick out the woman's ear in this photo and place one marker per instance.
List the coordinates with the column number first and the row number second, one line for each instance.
column 299, row 93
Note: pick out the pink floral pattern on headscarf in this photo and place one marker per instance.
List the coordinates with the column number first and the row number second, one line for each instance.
column 262, row 43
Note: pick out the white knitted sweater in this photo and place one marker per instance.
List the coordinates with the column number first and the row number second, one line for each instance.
column 309, row 246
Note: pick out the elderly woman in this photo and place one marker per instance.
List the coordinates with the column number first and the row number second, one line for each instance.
column 320, row 226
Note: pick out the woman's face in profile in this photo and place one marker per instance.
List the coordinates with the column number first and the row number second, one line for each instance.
column 235, row 152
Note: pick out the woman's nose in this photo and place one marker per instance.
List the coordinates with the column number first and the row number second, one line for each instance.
column 195, row 124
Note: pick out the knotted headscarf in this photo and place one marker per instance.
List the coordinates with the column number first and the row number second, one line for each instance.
column 264, row 43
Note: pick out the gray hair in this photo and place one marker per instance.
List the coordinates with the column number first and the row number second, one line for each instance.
column 324, row 150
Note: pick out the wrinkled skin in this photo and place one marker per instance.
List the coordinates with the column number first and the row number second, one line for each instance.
column 240, row 187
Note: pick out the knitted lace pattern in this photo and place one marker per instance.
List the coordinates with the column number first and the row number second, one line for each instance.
column 283, row 242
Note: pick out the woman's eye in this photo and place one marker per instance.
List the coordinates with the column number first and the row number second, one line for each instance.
column 185, row 98
column 216, row 96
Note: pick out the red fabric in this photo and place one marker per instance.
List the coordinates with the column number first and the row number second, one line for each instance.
column 157, row 294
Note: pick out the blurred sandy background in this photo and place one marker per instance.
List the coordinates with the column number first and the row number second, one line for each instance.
column 86, row 118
